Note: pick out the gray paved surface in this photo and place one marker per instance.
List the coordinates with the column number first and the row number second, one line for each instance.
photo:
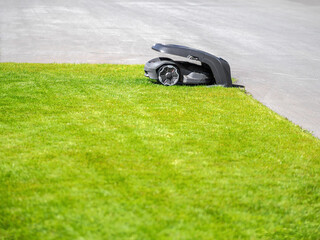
column 273, row 46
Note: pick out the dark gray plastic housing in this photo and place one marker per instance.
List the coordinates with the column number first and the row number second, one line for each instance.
column 219, row 67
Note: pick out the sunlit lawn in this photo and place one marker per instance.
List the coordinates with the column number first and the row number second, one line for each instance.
column 100, row 152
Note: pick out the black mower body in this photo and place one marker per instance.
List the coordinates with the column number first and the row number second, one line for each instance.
column 202, row 67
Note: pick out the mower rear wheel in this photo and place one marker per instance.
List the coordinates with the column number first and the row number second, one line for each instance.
column 168, row 75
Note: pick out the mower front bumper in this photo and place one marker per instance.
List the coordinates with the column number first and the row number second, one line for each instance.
column 150, row 68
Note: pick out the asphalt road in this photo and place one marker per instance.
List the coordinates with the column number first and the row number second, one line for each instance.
column 273, row 46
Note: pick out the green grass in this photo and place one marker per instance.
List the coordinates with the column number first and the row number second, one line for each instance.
column 100, row 152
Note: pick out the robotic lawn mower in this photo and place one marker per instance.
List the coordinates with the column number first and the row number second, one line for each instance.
column 200, row 68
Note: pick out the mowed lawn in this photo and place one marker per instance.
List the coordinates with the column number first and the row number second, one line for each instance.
column 101, row 152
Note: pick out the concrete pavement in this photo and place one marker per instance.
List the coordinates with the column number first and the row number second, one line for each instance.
column 273, row 46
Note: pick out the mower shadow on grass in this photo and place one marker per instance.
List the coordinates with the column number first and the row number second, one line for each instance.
column 195, row 85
